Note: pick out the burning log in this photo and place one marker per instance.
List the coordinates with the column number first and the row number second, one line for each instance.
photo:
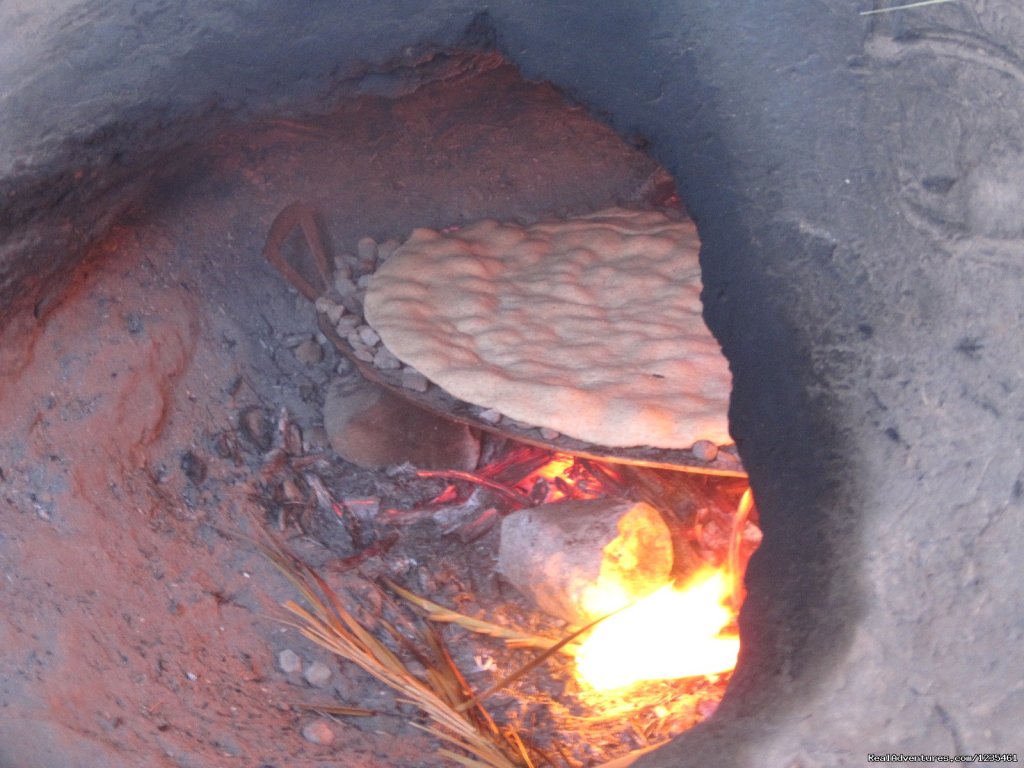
column 579, row 560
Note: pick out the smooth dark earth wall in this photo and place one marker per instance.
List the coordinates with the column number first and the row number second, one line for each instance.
column 858, row 182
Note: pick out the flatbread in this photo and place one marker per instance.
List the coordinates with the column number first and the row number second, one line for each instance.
column 590, row 326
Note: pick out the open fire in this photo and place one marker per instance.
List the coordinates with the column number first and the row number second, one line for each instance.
column 625, row 673
column 682, row 629
column 676, row 632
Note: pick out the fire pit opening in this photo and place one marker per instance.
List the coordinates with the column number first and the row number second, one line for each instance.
column 273, row 413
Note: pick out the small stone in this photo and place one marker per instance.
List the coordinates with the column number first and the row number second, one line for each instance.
column 317, row 674
column 367, row 249
column 362, row 352
column 354, row 302
column 705, row 450
column 549, row 434
column 330, row 309
column 387, row 249
column 364, row 282
column 309, row 352
column 385, row 360
column 318, row 732
column 346, row 324
column 369, row 336
column 414, row 380
column 342, row 266
column 752, row 534
column 289, row 662
column 491, row 416
column 344, row 285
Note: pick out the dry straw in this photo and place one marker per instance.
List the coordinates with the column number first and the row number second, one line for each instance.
column 455, row 716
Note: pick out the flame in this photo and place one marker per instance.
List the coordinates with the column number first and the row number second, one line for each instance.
column 555, row 473
column 558, row 466
column 674, row 632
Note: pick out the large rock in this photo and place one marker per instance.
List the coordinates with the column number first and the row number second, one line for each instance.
column 371, row 427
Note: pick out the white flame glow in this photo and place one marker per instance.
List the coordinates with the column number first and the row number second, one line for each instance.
column 672, row 633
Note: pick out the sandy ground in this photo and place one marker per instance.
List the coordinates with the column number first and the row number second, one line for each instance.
column 134, row 632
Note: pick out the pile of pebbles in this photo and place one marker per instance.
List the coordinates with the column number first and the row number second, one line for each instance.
column 316, row 674
column 343, row 308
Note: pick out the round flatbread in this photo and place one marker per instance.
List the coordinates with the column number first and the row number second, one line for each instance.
column 590, row 326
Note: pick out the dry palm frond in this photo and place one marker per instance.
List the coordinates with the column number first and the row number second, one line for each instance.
column 442, row 696
column 513, row 638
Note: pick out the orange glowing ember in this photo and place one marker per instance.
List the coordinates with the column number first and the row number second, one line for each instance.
column 557, row 467
column 673, row 633
column 555, row 474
